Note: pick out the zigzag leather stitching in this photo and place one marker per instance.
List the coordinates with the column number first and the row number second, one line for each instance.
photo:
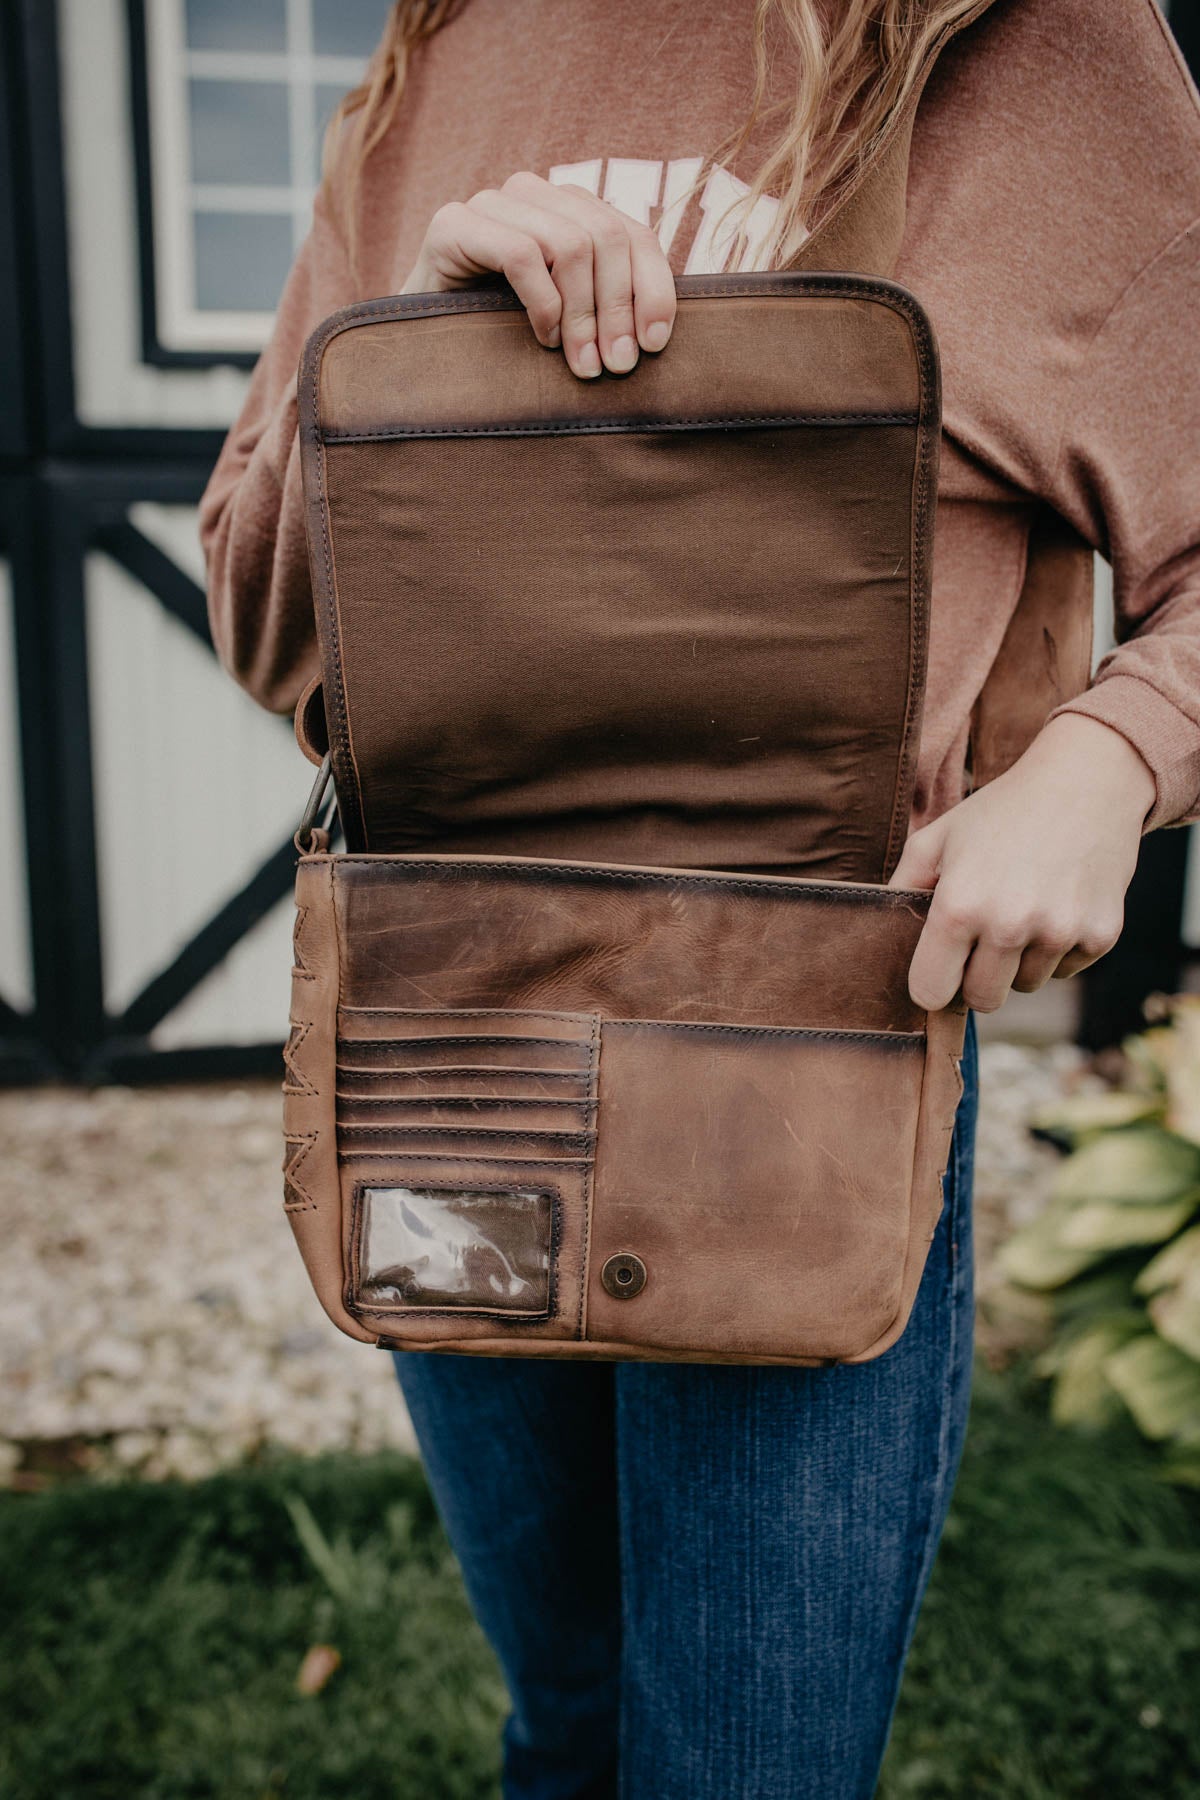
column 299, row 1143
column 300, row 969
column 301, row 1084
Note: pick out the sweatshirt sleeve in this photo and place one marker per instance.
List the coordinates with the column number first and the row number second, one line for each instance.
column 260, row 604
column 1128, row 476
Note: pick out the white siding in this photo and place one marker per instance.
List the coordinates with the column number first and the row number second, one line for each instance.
column 194, row 787
column 16, row 983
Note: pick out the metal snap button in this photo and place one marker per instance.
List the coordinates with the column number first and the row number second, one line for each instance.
column 623, row 1276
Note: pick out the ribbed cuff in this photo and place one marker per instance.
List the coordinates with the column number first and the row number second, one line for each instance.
column 1165, row 738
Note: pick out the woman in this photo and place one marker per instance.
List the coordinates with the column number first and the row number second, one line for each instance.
column 702, row 1581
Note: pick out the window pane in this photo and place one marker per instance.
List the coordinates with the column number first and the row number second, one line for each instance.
column 237, row 24
column 347, row 27
column 240, row 132
column 242, row 260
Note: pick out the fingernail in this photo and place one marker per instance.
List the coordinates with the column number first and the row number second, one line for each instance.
column 623, row 355
column 587, row 363
column 656, row 335
column 554, row 337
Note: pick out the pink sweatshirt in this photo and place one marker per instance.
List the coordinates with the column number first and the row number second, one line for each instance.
column 1053, row 235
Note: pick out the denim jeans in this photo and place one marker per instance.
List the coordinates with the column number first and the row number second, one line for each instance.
column 701, row 1581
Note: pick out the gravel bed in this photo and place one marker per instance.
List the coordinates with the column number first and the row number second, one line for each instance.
column 154, row 1313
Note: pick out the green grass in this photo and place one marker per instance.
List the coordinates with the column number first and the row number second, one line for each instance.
column 150, row 1635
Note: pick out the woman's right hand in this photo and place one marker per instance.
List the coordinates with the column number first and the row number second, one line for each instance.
column 594, row 282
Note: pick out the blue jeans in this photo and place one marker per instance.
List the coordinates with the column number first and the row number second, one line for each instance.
column 701, row 1581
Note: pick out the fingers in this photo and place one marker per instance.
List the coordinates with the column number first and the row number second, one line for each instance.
column 986, row 954
column 565, row 252
column 464, row 242
column 653, row 287
column 940, row 958
column 606, row 321
column 592, row 279
column 988, row 976
column 921, row 859
column 629, row 299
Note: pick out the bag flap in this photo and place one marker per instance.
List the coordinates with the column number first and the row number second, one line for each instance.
column 676, row 617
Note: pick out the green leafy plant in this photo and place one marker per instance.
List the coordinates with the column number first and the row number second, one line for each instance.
column 1117, row 1249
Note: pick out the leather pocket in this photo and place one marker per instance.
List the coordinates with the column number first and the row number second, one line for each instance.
column 466, row 1141
column 478, row 1248
column 445, row 1249
column 760, row 1179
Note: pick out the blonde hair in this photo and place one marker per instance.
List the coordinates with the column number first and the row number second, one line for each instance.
column 856, row 62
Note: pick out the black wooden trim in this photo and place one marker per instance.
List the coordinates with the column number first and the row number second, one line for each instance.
column 171, row 586
column 13, row 1022
column 154, row 351
column 47, row 537
column 24, row 1065
column 44, row 204
column 1150, row 956
column 211, row 944
column 1184, row 20
column 130, row 1061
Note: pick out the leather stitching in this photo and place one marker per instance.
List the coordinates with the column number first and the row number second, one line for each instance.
column 460, row 1185
column 791, row 1032
column 300, row 969
column 299, row 1143
column 442, row 1071
column 459, row 1156
column 301, row 1083
column 463, row 1012
column 589, row 1181
column 530, row 1135
column 781, row 887
column 579, row 1105
column 631, row 426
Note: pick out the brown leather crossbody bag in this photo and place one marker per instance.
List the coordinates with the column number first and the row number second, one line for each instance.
column 610, row 1101
column 601, row 1041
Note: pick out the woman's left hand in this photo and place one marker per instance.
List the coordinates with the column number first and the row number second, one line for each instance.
column 1029, row 874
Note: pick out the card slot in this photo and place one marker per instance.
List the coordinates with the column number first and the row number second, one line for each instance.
column 443, row 1158
column 460, row 1081
column 462, row 1109
column 435, row 1274
column 408, row 1022
column 484, row 1052
column 463, row 1100
column 453, row 1140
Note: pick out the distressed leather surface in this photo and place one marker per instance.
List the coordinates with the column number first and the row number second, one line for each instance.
column 721, row 1076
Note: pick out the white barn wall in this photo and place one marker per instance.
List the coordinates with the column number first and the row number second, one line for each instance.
column 16, row 981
